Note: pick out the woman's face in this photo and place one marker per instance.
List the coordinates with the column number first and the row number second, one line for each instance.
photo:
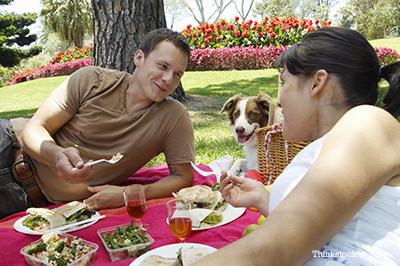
column 294, row 98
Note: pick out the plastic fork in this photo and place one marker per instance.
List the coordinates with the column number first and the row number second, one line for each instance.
column 113, row 160
column 202, row 172
column 207, row 173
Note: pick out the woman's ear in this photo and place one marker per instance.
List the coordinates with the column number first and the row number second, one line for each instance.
column 320, row 79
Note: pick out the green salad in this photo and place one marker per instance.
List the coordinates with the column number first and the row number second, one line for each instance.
column 58, row 251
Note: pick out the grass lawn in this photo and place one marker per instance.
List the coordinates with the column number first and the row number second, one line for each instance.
column 207, row 92
column 393, row 43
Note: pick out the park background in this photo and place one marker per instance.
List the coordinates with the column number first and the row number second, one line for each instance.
column 34, row 77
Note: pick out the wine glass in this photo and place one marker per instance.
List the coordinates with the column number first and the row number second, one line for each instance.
column 135, row 203
column 179, row 219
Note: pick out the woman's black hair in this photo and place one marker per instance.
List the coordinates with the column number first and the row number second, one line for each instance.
column 346, row 54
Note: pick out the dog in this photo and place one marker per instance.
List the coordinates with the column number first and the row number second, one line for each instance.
column 246, row 114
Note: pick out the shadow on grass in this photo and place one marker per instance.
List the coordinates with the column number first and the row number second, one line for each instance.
column 27, row 113
column 244, row 86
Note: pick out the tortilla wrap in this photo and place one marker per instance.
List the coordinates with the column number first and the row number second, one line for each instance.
column 190, row 255
column 200, row 194
column 198, row 215
column 70, row 208
column 55, row 219
column 155, row 260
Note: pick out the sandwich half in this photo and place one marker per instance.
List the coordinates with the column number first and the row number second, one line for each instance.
column 155, row 260
column 200, row 196
column 188, row 256
column 75, row 211
column 42, row 219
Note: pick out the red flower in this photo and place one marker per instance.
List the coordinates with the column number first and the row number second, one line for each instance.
column 236, row 18
column 237, row 33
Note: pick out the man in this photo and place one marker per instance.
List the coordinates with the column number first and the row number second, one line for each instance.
column 97, row 113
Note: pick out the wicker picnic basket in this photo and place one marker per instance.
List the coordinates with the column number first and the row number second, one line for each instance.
column 279, row 157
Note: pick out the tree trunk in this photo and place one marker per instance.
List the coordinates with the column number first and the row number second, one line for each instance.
column 179, row 93
column 119, row 28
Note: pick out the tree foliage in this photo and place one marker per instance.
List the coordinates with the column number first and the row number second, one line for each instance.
column 274, row 8
column 243, row 8
column 373, row 18
column 204, row 11
column 70, row 19
column 14, row 34
column 175, row 10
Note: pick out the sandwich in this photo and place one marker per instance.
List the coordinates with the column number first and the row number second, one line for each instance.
column 41, row 219
column 155, row 260
column 203, row 218
column 75, row 211
column 201, row 196
column 187, row 256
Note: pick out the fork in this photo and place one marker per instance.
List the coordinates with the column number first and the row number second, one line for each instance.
column 113, row 160
column 206, row 173
column 202, row 172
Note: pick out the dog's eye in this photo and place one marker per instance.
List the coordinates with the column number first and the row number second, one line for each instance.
column 253, row 115
column 236, row 114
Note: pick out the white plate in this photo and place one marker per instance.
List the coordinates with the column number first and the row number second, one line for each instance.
column 25, row 230
column 228, row 215
column 169, row 251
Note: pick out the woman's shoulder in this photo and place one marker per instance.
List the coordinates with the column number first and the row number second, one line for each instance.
column 368, row 123
column 369, row 116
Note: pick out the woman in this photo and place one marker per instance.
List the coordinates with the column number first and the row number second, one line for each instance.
column 338, row 202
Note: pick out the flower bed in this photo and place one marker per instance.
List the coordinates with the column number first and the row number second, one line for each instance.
column 238, row 58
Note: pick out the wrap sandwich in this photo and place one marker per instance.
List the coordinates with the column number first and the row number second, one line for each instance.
column 185, row 257
column 201, row 196
column 203, row 218
column 75, row 211
column 155, row 260
column 41, row 219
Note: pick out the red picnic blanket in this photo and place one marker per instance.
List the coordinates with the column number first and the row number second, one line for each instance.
column 156, row 214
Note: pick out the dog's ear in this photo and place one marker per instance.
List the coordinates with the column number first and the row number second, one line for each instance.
column 231, row 102
column 268, row 105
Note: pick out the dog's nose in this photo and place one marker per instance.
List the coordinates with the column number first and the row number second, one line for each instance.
column 239, row 130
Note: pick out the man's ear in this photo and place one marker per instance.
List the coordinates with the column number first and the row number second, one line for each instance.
column 320, row 79
column 139, row 58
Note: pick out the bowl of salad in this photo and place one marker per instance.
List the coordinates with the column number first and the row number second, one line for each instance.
column 60, row 249
column 125, row 241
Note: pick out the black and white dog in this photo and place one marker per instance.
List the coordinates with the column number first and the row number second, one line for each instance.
column 246, row 114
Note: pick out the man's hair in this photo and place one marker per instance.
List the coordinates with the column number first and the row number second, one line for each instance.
column 157, row 36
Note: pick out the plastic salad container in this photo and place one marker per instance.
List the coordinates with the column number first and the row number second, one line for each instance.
column 85, row 251
column 125, row 239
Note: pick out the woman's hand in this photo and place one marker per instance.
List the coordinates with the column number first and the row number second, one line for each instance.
column 244, row 192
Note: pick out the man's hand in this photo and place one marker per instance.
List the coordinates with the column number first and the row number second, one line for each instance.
column 68, row 158
column 105, row 197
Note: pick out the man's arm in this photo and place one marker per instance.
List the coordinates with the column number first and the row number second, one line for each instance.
column 181, row 175
column 38, row 143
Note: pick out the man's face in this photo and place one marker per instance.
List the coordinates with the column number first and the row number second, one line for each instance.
column 161, row 71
